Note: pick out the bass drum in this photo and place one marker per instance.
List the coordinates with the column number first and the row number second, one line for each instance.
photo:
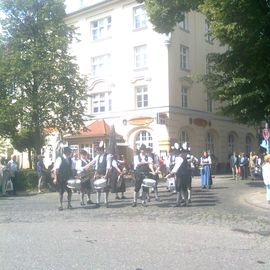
column 151, row 183
column 100, row 184
column 74, row 184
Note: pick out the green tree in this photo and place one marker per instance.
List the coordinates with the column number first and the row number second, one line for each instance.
column 240, row 77
column 40, row 83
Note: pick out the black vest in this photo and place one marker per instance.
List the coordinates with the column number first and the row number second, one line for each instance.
column 102, row 166
column 184, row 168
column 65, row 169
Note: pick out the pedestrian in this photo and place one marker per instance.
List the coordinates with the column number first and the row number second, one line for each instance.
column 63, row 172
column 2, row 167
column 266, row 176
column 233, row 165
column 206, row 178
column 243, row 163
column 41, row 172
column 13, row 169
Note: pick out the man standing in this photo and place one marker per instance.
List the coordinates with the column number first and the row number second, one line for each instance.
column 41, row 172
column 63, row 172
column 13, row 169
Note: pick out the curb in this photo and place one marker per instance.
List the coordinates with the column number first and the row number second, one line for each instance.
column 257, row 199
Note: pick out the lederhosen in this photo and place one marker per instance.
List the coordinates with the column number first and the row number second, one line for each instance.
column 116, row 186
column 141, row 172
column 65, row 173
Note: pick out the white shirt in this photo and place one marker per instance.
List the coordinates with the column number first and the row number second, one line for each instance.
column 58, row 162
column 266, row 173
column 178, row 161
column 142, row 158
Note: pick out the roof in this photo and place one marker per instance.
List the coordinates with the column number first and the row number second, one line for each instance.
column 98, row 128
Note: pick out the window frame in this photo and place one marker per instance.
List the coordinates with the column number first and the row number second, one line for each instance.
column 99, row 101
column 100, row 65
column 144, row 97
column 102, row 23
column 140, row 56
column 184, row 96
column 184, row 57
column 139, row 19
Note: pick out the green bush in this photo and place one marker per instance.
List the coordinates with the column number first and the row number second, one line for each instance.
column 27, row 180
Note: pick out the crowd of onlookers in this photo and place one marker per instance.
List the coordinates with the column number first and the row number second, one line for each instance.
column 243, row 165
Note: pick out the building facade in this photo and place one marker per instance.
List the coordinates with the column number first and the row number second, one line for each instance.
column 147, row 84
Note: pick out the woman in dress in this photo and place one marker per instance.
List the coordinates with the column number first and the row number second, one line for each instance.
column 117, row 181
column 206, row 178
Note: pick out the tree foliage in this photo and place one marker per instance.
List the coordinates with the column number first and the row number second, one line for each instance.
column 40, row 83
column 240, row 77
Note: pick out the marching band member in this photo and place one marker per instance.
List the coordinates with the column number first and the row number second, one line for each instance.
column 102, row 162
column 63, row 172
column 86, row 186
column 182, row 171
column 143, row 165
column 117, row 182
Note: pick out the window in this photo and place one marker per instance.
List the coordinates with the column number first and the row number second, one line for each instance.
column 184, row 23
column 139, row 17
column 140, row 56
column 209, row 103
column 184, row 97
column 101, row 28
column 208, row 35
column 184, row 138
column 231, row 143
column 141, row 96
column 143, row 137
column 101, row 102
column 101, row 65
column 209, row 66
column 184, row 57
column 210, row 146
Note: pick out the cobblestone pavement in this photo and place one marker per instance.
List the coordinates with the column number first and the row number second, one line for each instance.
column 227, row 227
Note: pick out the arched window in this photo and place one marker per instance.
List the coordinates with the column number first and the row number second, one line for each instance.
column 143, row 137
column 184, row 137
column 210, row 145
column 231, row 143
column 248, row 144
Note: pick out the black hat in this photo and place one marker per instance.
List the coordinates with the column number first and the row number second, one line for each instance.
column 143, row 147
column 83, row 152
column 67, row 150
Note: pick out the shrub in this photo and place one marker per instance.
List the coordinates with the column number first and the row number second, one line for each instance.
column 27, row 179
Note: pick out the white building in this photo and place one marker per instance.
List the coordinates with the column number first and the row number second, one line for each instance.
column 146, row 83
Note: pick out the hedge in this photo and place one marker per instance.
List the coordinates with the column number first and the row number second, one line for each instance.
column 27, row 180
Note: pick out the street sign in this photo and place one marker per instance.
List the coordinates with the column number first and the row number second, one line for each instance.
column 265, row 134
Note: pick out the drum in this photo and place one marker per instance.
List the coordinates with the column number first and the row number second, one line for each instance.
column 100, row 183
column 74, row 183
column 151, row 183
